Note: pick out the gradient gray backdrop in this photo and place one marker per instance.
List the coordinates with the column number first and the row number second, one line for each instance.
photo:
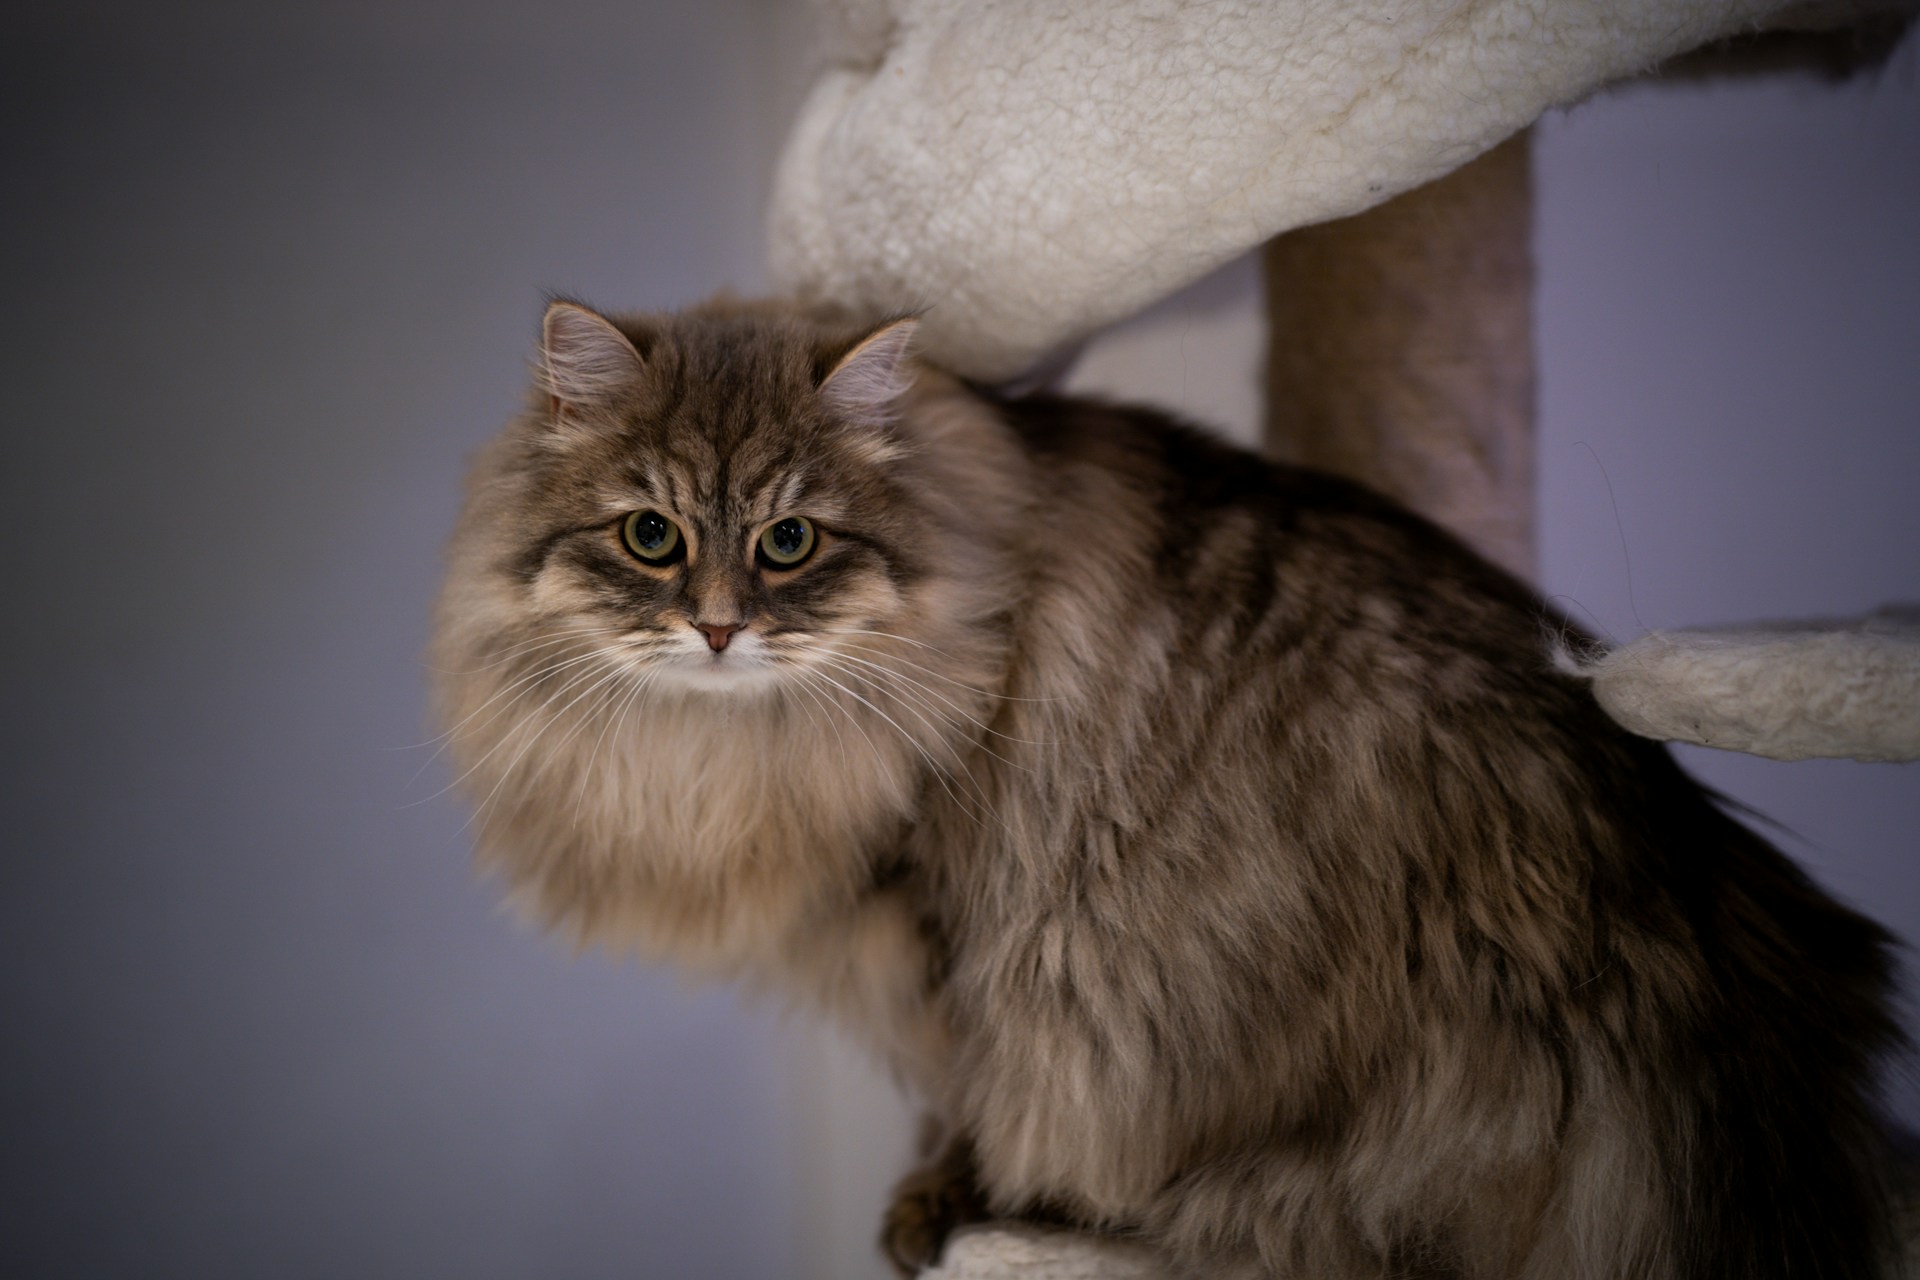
column 271, row 274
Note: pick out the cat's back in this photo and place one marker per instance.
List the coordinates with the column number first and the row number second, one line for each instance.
column 1262, row 662
column 1249, row 664
column 1291, row 807
column 1232, row 562
column 1239, row 692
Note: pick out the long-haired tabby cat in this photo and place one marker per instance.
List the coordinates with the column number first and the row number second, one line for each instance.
column 1210, row 843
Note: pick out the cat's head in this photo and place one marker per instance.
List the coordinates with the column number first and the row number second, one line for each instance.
column 709, row 498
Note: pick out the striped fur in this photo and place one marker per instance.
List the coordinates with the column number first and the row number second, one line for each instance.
column 1208, row 842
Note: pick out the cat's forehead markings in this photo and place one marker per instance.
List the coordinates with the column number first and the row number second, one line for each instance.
column 615, row 500
column 785, row 488
column 671, row 480
column 765, row 502
column 790, row 490
column 720, row 481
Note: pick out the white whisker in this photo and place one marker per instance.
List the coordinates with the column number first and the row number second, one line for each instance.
column 573, row 681
column 826, row 719
column 625, row 704
column 943, row 732
column 931, row 692
column 936, row 674
column 523, row 684
column 535, row 736
column 940, row 773
column 514, row 650
column 834, row 704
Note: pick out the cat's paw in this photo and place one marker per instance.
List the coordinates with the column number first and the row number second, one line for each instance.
column 928, row 1204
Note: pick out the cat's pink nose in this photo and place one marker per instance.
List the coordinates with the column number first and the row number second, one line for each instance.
column 718, row 633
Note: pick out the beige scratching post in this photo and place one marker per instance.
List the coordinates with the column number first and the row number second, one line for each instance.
column 1401, row 350
column 1401, row 355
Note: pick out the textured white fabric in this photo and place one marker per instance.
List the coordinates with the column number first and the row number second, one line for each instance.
column 1010, row 1252
column 1028, row 172
column 1790, row 690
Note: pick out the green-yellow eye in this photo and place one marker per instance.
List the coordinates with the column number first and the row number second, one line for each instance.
column 787, row 542
column 652, row 537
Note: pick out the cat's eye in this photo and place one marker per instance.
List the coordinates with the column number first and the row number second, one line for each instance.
column 652, row 537
column 787, row 542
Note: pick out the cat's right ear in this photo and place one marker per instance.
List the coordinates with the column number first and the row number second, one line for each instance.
column 584, row 360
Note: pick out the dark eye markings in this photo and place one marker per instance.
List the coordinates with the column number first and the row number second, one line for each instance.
column 528, row 564
column 891, row 564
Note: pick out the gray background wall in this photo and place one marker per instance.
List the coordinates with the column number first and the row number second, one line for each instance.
column 271, row 274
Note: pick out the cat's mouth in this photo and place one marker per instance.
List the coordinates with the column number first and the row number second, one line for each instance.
column 742, row 663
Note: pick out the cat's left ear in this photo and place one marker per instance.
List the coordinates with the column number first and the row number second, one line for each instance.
column 867, row 383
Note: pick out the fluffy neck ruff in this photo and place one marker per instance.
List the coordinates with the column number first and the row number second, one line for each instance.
column 709, row 827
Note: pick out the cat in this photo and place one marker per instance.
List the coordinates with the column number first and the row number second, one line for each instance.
column 1211, row 844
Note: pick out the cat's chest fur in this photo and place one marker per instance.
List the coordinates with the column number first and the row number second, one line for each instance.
column 714, row 831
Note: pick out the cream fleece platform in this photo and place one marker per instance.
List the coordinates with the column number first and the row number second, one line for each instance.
column 1026, row 173
column 1788, row 690
column 1009, row 1252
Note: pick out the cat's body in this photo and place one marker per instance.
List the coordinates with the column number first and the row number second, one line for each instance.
column 1209, row 842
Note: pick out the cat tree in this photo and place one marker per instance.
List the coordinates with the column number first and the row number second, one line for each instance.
column 1026, row 174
